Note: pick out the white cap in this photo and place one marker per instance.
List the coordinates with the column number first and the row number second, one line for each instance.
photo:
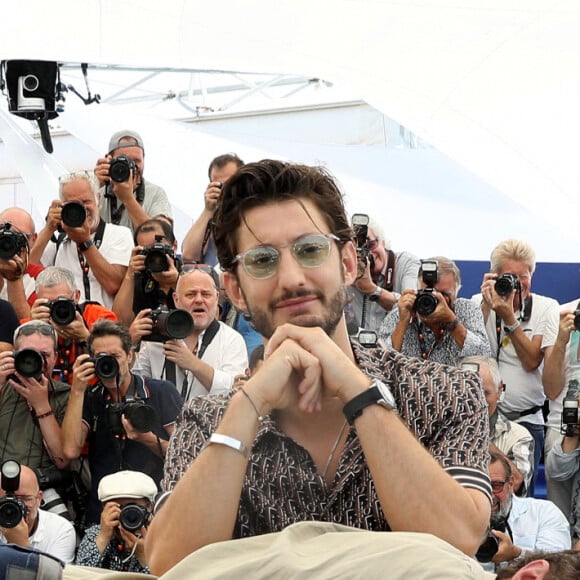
column 127, row 484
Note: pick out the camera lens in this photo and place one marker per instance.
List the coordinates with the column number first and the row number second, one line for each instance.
column 142, row 416
column 106, row 367
column 175, row 323
column 73, row 214
column 488, row 548
column 120, row 168
column 63, row 311
column 156, row 261
column 11, row 512
column 425, row 303
column 8, row 246
column 133, row 517
column 29, row 363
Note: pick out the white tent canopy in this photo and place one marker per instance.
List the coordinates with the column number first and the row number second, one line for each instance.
column 491, row 85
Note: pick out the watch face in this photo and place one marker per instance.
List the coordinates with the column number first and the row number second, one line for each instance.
column 386, row 394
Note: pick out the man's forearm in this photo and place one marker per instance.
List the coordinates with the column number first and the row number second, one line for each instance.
column 191, row 247
column 529, row 351
column 51, row 435
column 204, row 504
column 72, row 433
column 17, row 297
column 554, row 372
column 40, row 245
column 109, row 276
column 136, row 212
column 123, row 303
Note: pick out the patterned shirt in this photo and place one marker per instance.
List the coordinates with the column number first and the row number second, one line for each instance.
column 444, row 407
column 112, row 557
column 443, row 350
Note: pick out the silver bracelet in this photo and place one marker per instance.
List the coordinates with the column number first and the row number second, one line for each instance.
column 230, row 442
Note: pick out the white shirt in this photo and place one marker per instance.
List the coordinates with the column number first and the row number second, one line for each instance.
column 226, row 353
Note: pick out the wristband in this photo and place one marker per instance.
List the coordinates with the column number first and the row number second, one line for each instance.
column 235, row 444
column 84, row 246
column 375, row 294
column 509, row 329
column 451, row 326
column 47, row 414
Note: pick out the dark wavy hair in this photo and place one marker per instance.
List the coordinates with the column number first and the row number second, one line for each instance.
column 267, row 181
column 104, row 327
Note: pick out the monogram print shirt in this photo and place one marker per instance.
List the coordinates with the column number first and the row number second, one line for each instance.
column 444, row 407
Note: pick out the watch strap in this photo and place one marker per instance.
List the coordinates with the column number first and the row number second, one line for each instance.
column 375, row 294
column 510, row 328
column 354, row 408
column 451, row 326
column 84, row 246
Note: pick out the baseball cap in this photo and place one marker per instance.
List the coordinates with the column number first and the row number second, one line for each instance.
column 115, row 143
column 127, row 484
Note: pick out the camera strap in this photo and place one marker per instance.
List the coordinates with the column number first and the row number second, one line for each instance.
column 525, row 315
column 390, row 271
column 97, row 239
column 115, row 212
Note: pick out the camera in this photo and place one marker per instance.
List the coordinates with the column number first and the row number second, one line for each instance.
column 106, row 366
column 490, row 545
column 12, row 510
column 62, row 310
column 169, row 324
column 120, row 168
column 156, row 256
column 142, row 416
column 134, row 517
column 29, row 363
column 360, row 225
column 73, row 214
column 506, row 284
column 11, row 241
column 426, row 302
column 569, row 421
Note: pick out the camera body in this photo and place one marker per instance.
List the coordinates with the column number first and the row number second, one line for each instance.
column 106, row 366
column 12, row 510
column 156, row 256
column 120, row 168
column 142, row 416
column 490, row 545
column 73, row 214
column 29, row 363
column 11, row 242
column 62, row 310
column 168, row 324
column 360, row 225
column 134, row 517
column 426, row 302
column 569, row 421
column 506, row 284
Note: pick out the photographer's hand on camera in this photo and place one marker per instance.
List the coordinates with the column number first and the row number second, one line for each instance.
column 110, row 517
column 102, row 170
column 6, row 367
column 124, row 190
column 80, row 235
column 141, row 326
column 19, row 534
column 14, row 268
column 507, row 550
column 154, row 443
column 212, row 195
column 54, row 219
column 503, row 306
column 179, row 353
column 130, row 539
column 83, row 373
column 76, row 330
column 167, row 279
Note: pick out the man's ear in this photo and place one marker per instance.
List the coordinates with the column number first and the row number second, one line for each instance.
column 77, row 295
column 234, row 291
column 533, row 571
column 349, row 263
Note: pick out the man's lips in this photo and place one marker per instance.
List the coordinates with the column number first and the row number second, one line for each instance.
column 295, row 303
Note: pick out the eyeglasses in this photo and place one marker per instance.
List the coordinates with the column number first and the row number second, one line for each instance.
column 206, row 268
column 76, row 175
column 372, row 244
column 35, row 327
column 26, row 498
column 310, row 251
column 498, row 485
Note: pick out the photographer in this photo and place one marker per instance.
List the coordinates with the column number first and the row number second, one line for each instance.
column 17, row 273
column 522, row 328
column 58, row 304
column 528, row 524
column 198, row 244
column 380, row 282
column 432, row 323
column 152, row 274
column 127, row 198
column 96, row 252
column 117, row 543
column 126, row 420
column 38, row 529
column 32, row 405
column 209, row 357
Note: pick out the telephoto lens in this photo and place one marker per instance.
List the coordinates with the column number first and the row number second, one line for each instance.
column 73, row 214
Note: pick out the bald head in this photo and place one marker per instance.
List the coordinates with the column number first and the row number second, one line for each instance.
column 21, row 220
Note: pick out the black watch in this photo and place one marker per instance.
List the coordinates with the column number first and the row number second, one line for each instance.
column 84, row 246
column 378, row 393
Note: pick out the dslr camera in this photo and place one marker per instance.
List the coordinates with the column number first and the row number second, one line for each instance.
column 73, row 214
column 142, row 416
column 12, row 510
column 134, row 517
column 62, row 310
column 11, row 241
column 168, row 324
column 156, row 256
column 490, row 545
column 426, row 302
column 506, row 284
column 120, row 168
column 29, row 363
column 569, row 422
column 360, row 225
column 106, row 366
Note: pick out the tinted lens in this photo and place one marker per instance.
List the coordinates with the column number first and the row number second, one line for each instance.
column 312, row 251
column 261, row 262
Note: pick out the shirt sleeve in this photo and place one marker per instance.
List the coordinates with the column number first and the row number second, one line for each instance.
column 234, row 361
column 64, row 542
column 388, row 326
column 560, row 465
column 476, row 342
column 88, row 554
column 522, row 454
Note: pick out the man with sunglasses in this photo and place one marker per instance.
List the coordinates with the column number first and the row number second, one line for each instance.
column 206, row 361
column 326, row 429
column 386, row 275
column 32, row 407
column 39, row 529
column 96, row 252
column 522, row 524
column 450, row 330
